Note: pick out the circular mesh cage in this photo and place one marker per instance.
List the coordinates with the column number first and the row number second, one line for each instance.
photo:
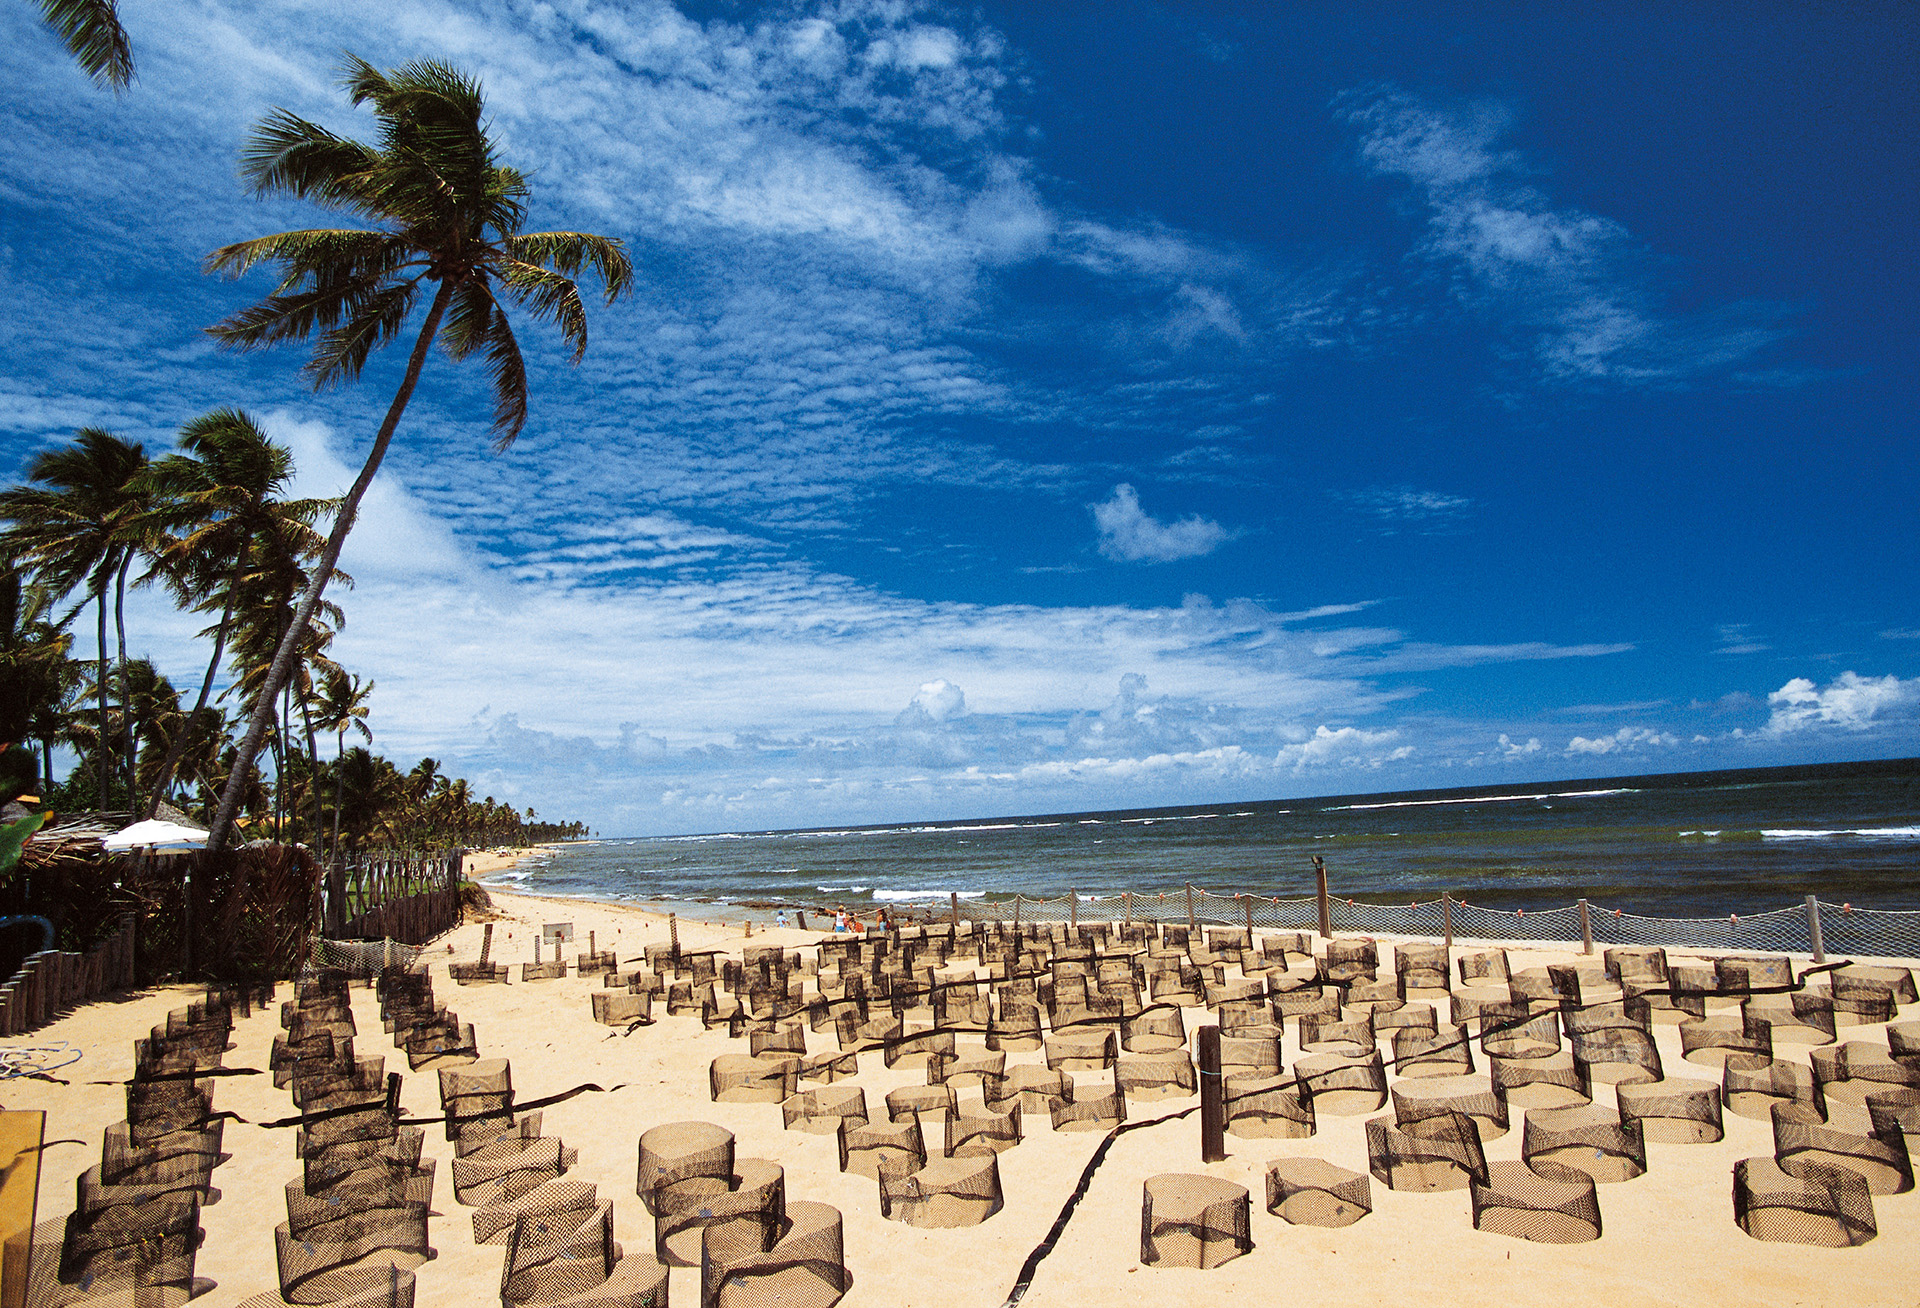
column 820, row 1112
column 1421, row 1097
column 507, row 1167
column 682, row 1158
column 1801, row 1138
column 553, row 1256
column 1803, row 1018
column 1351, row 1037
column 1033, row 1089
column 1343, row 1086
column 1850, row 1072
column 1616, row 1055
column 1082, row 1049
column 1193, row 1221
column 912, row 1100
column 1311, row 1192
column 1250, row 1055
column 1826, row 1206
column 1445, row 1051
column 1438, row 1152
column 805, row 1268
column 941, row 1193
column 329, row 1260
column 966, row 1067
column 1096, row 1110
column 743, row 1217
column 622, row 1008
column 830, row 1067
column 1673, row 1111
column 1719, row 1040
column 1894, row 1112
column 1753, row 1091
column 1506, row 1034
column 1262, row 1106
column 1555, row 1081
column 1516, row 1201
column 493, row 1223
column 742, row 1079
column 1167, row 1075
column 864, row 1148
column 973, row 1131
column 1585, row 1139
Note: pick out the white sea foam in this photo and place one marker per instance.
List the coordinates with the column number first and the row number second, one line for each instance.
column 1482, row 799
column 1880, row 833
column 894, row 896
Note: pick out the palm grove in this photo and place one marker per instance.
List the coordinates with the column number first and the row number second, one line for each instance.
column 437, row 253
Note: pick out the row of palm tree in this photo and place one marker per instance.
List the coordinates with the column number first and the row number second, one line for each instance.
column 210, row 524
column 439, row 214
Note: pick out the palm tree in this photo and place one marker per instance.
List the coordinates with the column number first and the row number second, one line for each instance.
column 217, row 508
column 442, row 212
column 342, row 704
column 75, row 529
column 35, row 675
column 94, row 37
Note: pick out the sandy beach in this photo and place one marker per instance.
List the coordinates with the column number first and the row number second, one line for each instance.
column 1669, row 1235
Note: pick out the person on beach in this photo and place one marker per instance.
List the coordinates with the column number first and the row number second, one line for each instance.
column 840, row 919
column 781, row 918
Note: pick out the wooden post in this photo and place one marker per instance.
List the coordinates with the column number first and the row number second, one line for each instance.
column 336, row 917
column 1586, row 929
column 1813, row 930
column 1213, row 1105
column 1326, row 908
column 186, row 918
column 953, row 905
column 1128, row 896
column 1016, row 913
column 1446, row 921
column 1247, row 900
column 1073, row 911
column 1189, row 910
column 673, row 938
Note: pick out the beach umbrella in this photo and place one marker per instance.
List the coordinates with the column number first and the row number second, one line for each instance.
column 157, row 837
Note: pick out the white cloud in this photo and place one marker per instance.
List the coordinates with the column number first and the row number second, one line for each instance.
column 1625, row 740
column 1128, row 534
column 1849, row 702
column 1574, row 282
column 1344, row 746
column 1737, row 638
column 939, row 701
column 1511, row 749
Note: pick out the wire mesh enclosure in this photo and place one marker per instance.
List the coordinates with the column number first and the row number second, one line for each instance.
column 1193, row 1221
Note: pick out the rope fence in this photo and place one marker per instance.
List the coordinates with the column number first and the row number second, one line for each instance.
column 1812, row 927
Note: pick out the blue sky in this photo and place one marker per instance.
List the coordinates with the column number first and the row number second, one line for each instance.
column 1069, row 406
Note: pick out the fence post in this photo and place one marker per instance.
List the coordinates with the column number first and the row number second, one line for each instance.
column 1213, row 1117
column 1073, row 910
column 1813, row 930
column 1016, row 913
column 1189, row 910
column 1586, row 929
column 1247, row 900
column 1128, row 896
column 1326, row 909
column 953, row 905
column 1446, row 921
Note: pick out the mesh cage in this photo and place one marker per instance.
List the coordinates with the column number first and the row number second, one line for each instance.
column 507, row 1168
column 1032, row 1089
column 1516, row 1201
column 1753, row 1091
column 1852, row 1071
column 1420, row 1097
column 973, row 1067
column 1165, row 1075
column 912, row 1100
column 330, row 1260
column 552, row 1257
column 361, row 959
column 740, row 1215
column 821, row 1111
column 864, row 1149
column 805, row 1268
column 1439, row 1152
column 493, row 1223
column 942, row 1193
column 1261, row 1106
column 1443, row 1051
column 1193, row 1221
column 1552, row 1082
column 1586, row 1140
column 1717, row 1041
column 1673, row 1111
column 1342, row 1086
column 130, row 1248
column 739, row 1078
column 1801, row 1139
column 1826, row 1206
column 680, row 1159
column 1310, row 1192
column 983, row 1131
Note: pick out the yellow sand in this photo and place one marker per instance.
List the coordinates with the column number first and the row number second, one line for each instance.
column 1669, row 1235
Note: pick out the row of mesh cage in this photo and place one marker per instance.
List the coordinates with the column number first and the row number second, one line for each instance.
column 1843, row 928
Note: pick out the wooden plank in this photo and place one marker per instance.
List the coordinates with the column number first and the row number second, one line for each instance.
column 21, row 1134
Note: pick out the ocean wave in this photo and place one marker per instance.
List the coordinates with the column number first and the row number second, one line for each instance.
column 1880, row 833
column 1483, row 799
column 894, row 896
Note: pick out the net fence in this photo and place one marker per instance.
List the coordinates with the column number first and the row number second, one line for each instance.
column 1841, row 929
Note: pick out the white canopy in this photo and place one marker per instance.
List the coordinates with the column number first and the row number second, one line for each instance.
column 161, row 837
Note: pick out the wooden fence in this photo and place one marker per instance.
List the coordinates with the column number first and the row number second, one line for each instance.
column 410, row 899
column 52, row 981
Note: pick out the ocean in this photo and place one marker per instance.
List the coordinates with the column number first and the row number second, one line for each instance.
column 1700, row 844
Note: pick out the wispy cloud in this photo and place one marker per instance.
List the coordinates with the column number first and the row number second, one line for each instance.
column 1395, row 510
column 1129, row 534
column 1575, row 286
column 1738, row 638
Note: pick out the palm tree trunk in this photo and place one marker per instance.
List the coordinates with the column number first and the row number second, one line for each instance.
column 126, row 689
column 282, row 667
column 339, row 775
column 102, row 757
column 313, row 773
column 193, row 719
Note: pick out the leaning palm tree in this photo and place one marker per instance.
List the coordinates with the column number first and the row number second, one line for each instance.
column 218, row 507
column 443, row 212
column 74, row 529
column 93, row 36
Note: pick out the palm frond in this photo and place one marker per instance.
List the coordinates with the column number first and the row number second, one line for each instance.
column 93, row 36
column 568, row 252
column 373, row 319
column 549, row 297
column 286, row 153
